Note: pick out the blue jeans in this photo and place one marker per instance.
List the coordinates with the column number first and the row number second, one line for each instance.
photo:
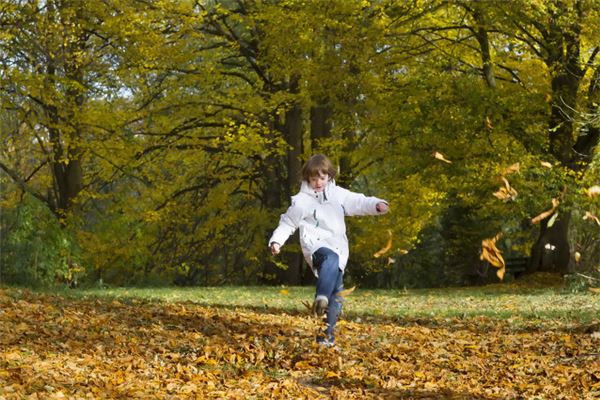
column 329, row 284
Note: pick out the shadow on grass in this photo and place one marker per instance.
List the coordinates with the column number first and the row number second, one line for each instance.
column 451, row 320
column 471, row 321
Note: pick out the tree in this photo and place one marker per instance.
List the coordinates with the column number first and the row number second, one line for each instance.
column 557, row 33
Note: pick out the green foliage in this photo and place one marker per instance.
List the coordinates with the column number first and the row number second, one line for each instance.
column 161, row 134
column 36, row 250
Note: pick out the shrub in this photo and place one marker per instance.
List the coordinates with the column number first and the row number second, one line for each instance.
column 36, row 250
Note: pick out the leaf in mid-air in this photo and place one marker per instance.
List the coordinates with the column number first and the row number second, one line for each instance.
column 589, row 215
column 513, row 168
column 386, row 248
column 491, row 253
column 441, row 157
column 593, row 191
column 547, row 213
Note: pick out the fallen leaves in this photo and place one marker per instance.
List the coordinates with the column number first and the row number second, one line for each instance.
column 131, row 349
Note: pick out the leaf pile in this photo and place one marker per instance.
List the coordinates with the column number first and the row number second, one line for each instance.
column 52, row 348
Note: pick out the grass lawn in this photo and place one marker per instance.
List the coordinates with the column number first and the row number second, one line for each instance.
column 539, row 302
column 529, row 339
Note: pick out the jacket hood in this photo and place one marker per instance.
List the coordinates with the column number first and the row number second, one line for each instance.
column 320, row 196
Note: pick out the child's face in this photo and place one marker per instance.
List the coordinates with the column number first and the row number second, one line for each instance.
column 318, row 182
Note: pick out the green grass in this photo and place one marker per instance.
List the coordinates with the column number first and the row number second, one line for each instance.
column 519, row 304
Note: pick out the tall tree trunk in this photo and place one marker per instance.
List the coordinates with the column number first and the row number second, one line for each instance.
column 66, row 164
column 293, row 136
column 273, row 192
column 551, row 251
column 66, row 149
column 320, row 124
column 588, row 140
column 346, row 176
column 481, row 34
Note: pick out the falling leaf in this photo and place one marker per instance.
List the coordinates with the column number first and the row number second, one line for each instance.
column 386, row 248
column 577, row 256
column 589, row 215
column 547, row 213
column 441, row 157
column 346, row 292
column 492, row 254
column 284, row 292
column 552, row 220
column 513, row 168
column 506, row 193
column 546, row 164
column 500, row 273
column 488, row 123
column 593, row 191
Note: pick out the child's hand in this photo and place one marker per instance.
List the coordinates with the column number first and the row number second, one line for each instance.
column 275, row 248
column 382, row 208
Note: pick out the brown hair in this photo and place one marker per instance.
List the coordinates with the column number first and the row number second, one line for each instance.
column 318, row 164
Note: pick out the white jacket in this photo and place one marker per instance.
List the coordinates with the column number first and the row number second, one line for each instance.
column 320, row 218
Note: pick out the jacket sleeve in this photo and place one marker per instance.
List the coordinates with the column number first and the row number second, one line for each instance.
column 358, row 203
column 288, row 223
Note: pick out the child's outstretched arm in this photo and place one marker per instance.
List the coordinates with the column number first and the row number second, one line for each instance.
column 359, row 204
column 288, row 223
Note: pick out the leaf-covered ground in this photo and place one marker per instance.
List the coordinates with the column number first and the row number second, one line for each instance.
column 53, row 347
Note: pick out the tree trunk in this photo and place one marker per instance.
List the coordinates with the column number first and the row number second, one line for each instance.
column 481, row 34
column 551, row 252
column 66, row 157
column 66, row 166
column 293, row 135
column 320, row 125
column 564, row 99
column 273, row 194
column 584, row 147
column 346, row 176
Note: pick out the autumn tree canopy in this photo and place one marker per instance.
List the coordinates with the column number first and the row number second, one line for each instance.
column 158, row 142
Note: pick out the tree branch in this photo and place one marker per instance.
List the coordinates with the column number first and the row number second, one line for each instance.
column 23, row 185
column 590, row 60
